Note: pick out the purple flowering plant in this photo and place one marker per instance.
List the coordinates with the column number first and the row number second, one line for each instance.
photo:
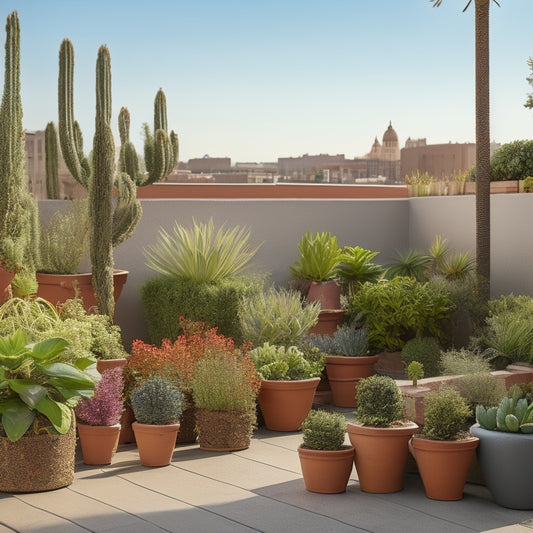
column 105, row 407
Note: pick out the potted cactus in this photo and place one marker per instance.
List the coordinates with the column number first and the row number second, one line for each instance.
column 325, row 460
column 505, row 441
column 99, row 419
column 444, row 449
column 289, row 381
column 157, row 406
column 380, row 436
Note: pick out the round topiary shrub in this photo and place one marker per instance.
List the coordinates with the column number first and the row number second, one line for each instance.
column 379, row 401
column 156, row 402
column 426, row 351
column 324, row 430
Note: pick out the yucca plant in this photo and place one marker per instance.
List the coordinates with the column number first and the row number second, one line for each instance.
column 201, row 252
column 458, row 266
column 318, row 259
column 356, row 267
column 410, row 263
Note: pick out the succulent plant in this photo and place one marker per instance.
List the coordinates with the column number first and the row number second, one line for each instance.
column 348, row 340
column 425, row 350
column 324, row 430
column 157, row 401
column 415, row 371
column 379, row 401
column 512, row 415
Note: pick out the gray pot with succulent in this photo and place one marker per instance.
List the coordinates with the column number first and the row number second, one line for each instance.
column 157, row 406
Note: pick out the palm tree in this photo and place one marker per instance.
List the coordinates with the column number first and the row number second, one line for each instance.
column 482, row 143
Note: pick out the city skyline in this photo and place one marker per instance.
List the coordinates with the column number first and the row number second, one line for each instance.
column 257, row 82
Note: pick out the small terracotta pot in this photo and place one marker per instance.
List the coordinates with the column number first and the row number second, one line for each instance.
column 108, row 364
column 443, row 465
column 286, row 404
column 381, row 455
column 155, row 442
column 5, row 281
column 98, row 443
column 326, row 471
column 328, row 293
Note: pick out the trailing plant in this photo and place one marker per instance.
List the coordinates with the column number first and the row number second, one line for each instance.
column 324, row 430
column 104, row 408
column 356, row 267
column 512, row 415
column 425, row 350
column 415, row 371
column 33, row 383
column 379, row 401
column 200, row 252
column 64, row 239
column 348, row 340
column 35, row 316
column 280, row 363
column 400, row 309
column 277, row 316
column 446, row 414
column 51, row 160
column 157, row 402
column 318, row 257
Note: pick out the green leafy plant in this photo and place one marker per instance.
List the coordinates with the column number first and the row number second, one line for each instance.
column 528, row 184
column 277, row 317
column 512, row 161
column 425, row 350
column 512, row 415
column 318, row 257
column 201, row 252
column 356, row 267
column 348, row 340
column 324, row 430
column 280, row 363
column 446, row 414
column 415, row 371
column 410, row 263
column 157, row 402
column 33, row 383
column 379, row 401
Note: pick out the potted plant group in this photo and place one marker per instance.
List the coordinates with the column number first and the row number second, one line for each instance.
column 505, row 441
column 380, row 436
column 347, row 361
column 289, row 382
column 37, row 426
column 444, row 449
column 325, row 460
column 98, row 419
column 224, row 389
column 157, row 406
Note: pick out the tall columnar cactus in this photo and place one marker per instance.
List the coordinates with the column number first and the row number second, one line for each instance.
column 16, row 208
column 109, row 226
column 51, row 158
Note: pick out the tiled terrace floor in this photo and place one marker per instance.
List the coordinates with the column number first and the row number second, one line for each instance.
column 259, row 489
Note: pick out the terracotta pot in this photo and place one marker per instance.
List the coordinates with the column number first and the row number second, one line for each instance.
column 343, row 375
column 443, row 465
column 326, row 471
column 126, row 430
column 327, row 292
column 60, row 287
column 98, row 443
column 37, row 463
column 108, row 364
column 223, row 431
column 286, row 404
column 328, row 322
column 381, row 455
column 5, row 281
column 155, row 442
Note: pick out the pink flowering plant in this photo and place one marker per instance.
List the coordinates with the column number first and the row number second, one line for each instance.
column 104, row 408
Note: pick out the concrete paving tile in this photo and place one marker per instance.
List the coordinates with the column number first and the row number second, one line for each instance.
column 5, row 529
column 515, row 528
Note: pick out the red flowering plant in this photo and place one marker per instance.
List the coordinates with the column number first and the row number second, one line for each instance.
column 104, row 408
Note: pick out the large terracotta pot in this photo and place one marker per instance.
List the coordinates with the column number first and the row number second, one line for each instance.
column 326, row 471
column 381, row 455
column 5, row 281
column 328, row 322
column 286, row 404
column 60, row 287
column 155, row 442
column 328, row 293
column 344, row 374
column 98, row 443
column 223, row 431
column 37, row 463
column 506, row 465
column 443, row 465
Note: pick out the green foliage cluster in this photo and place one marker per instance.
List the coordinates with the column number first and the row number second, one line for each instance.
column 157, row 401
column 425, row 350
column 379, row 401
column 356, row 267
column 277, row 317
column 166, row 300
column 528, row 184
column 512, row 415
column 348, row 340
column 64, row 239
column 446, row 414
column 324, row 430
column 201, row 252
column 513, row 161
column 280, row 363
column 415, row 371
column 318, row 257
column 400, row 309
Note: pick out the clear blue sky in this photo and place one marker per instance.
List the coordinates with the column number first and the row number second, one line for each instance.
column 257, row 80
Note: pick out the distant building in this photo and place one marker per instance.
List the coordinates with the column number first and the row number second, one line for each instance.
column 209, row 164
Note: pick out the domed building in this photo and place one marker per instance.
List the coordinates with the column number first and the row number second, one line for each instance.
column 383, row 160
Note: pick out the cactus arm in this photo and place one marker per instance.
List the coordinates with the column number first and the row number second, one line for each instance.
column 512, row 424
column 527, row 428
column 520, row 410
column 129, row 162
column 51, row 157
column 506, row 408
column 486, row 418
column 128, row 210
